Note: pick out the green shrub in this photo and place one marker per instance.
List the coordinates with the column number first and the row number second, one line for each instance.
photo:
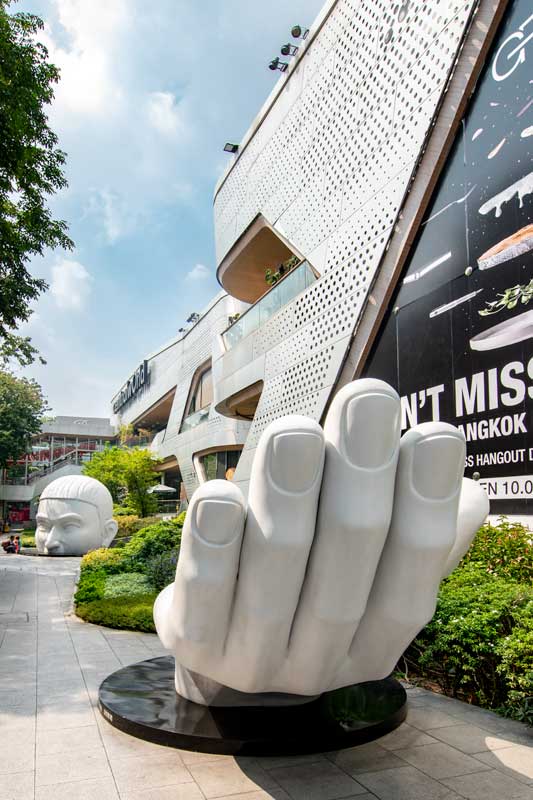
column 27, row 540
column 110, row 561
column 476, row 646
column 118, row 587
column 91, row 586
column 127, row 584
column 134, row 613
column 151, row 541
column 161, row 569
column 123, row 511
column 130, row 524
column 504, row 550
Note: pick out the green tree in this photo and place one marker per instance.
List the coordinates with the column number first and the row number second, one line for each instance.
column 108, row 468
column 22, row 407
column 140, row 475
column 30, row 170
column 127, row 473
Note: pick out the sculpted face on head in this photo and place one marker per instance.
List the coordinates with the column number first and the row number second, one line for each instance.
column 75, row 515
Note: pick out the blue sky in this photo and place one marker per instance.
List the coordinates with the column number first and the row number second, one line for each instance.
column 149, row 94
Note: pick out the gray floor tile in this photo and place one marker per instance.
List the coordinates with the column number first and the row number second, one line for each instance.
column 271, row 762
column 405, row 736
column 183, row 791
column 17, row 786
column 102, row 789
column 491, row 785
column 72, row 766
column 149, row 772
column 317, row 781
column 439, row 760
column 365, row 758
column 425, row 718
column 65, row 741
column 516, row 761
column 221, row 778
column 470, row 739
column 405, row 783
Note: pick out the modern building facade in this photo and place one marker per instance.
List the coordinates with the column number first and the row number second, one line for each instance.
column 389, row 173
column 168, row 402
column 62, row 447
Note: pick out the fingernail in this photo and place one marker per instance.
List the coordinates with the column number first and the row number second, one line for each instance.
column 372, row 430
column 218, row 521
column 438, row 466
column 296, row 459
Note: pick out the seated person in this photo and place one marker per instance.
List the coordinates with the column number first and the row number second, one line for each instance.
column 9, row 545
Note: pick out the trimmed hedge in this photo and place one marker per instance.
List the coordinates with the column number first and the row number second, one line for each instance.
column 117, row 587
column 128, row 584
column 133, row 613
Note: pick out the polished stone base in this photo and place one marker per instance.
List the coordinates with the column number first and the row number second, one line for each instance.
column 142, row 701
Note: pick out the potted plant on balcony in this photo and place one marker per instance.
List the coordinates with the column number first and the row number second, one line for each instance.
column 273, row 276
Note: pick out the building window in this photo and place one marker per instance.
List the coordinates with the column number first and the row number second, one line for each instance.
column 200, row 399
column 202, row 395
column 221, row 464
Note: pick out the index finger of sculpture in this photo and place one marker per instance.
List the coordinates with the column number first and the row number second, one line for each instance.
column 421, row 536
column 362, row 432
column 192, row 615
column 282, row 502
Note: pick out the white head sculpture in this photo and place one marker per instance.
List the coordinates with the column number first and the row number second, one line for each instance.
column 75, row 515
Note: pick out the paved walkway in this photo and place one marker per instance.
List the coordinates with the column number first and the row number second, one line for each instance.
column 56, row 746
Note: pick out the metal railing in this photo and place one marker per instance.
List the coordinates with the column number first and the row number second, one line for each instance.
column 285, row 290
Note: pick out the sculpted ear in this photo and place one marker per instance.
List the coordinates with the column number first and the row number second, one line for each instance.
column 110, row 530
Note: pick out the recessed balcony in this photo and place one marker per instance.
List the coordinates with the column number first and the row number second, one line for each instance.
column 242, row 271
column 281, row 293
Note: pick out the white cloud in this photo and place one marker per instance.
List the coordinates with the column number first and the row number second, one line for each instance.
column 71, row 284
column 88, row 82
column 198, row 273
column 163, row 113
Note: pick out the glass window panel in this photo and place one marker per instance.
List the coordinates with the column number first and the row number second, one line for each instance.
column 206, row 388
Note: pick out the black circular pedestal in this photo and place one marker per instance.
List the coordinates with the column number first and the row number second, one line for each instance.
column 141, row 700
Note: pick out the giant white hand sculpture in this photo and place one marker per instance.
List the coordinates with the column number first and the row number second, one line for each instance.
column 334, row 567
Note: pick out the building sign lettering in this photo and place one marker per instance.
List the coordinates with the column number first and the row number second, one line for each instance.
column 132, row 387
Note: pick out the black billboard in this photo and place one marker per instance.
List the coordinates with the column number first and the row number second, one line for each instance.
column 457, row 342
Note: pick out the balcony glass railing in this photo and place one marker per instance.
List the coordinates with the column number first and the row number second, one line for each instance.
column 195, row 419
column 269, row 304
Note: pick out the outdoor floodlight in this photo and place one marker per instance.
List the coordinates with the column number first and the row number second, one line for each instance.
column 277, row 64
column 289, row 50
column 229, row 147
column 299, row 33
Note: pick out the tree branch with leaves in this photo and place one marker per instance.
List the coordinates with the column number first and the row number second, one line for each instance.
column 31, row 169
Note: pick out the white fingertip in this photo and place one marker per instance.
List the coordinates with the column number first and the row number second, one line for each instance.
column 474, row 508
column 203, row 591
column 362, row 433
column 421, row 536
column 284, row 489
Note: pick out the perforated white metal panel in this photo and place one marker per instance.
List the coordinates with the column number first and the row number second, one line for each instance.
column 329, row 168
column 175, row 366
